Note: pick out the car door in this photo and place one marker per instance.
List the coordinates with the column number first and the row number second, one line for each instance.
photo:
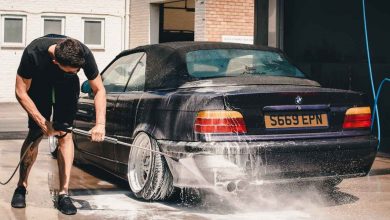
column 127, row 110
column 115, row 79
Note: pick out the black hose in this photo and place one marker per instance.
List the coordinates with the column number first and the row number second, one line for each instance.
column 31, row 133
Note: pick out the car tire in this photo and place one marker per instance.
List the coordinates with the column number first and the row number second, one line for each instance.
column 53, row 146
column 148, row 174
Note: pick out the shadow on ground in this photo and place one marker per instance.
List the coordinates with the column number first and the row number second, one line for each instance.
column 279, row 198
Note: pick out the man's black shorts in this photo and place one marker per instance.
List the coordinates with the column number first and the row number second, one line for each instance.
column 61, row 96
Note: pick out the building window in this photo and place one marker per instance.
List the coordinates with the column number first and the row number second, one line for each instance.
column 94, row 33
column 13, row 31
column 53, row 25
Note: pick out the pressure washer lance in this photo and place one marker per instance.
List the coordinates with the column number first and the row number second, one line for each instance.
column 86, row 133
column 115, row 141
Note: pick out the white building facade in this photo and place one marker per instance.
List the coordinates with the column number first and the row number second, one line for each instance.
column 103, row 27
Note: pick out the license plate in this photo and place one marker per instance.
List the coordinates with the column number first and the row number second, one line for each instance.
column 308, row 120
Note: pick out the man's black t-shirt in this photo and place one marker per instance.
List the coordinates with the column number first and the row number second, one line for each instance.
column 52, row 88
column 36, row 62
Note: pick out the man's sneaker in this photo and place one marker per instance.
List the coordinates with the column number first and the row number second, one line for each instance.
column 65, row 205
column 19, row 197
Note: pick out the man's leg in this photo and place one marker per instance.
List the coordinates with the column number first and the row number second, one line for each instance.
column 30, row 144
column 65, row 157
column 65, row 106
column 65, row 160
column 30, row 147
column 40, row 94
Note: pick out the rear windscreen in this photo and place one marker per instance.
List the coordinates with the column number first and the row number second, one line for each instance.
column 236, row 62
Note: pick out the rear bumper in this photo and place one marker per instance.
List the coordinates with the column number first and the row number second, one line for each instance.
column 207, row 164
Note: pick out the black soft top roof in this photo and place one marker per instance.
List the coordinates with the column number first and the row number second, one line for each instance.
column 166, row 62
column 185, row 46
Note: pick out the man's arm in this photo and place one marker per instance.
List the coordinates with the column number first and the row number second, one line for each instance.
column 21, row 87
column 98, row 132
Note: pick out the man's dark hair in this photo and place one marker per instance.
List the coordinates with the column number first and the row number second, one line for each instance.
column 69, row 52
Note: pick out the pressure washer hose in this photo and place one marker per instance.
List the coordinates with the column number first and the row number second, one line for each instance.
column 20, row 161
column 374, row 94
column 22, row 158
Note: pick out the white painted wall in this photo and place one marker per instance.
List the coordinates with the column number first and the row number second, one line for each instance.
column 116, row 31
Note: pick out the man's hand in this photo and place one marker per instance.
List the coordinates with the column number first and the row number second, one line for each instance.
column 47, row 128
column 98, row 132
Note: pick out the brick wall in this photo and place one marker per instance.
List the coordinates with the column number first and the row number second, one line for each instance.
column 225, row 17
column 139, row 22
column 73, row 11
column 213, row 19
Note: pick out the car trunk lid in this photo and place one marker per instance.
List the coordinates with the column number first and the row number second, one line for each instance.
column 249, row 80
column 288, row 109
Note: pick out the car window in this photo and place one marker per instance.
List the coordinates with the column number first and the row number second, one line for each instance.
column 137, row 79
column 236, row 62
column 117, row 75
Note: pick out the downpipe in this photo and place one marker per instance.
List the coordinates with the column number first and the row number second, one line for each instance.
column 375, row 94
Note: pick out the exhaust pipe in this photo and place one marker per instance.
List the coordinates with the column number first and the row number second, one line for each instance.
column 228, row 186
column 231, row 187
column 241, row 185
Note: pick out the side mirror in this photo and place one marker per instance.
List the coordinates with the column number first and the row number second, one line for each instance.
column 86, row 88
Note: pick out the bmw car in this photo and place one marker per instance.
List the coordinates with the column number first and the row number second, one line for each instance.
column 227, row 116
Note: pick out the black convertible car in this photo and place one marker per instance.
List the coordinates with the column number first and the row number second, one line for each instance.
column 243, row 114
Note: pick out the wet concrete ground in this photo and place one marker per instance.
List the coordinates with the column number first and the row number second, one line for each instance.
column 13, row 121
column 100, row 196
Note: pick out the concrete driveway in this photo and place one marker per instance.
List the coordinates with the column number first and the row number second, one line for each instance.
column 101, row 196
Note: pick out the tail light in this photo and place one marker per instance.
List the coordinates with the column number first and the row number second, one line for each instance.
column 359, row 117
column 219, row 122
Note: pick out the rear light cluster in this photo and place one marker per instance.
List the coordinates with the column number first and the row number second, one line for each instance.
column 359, row 117
column 220, row 122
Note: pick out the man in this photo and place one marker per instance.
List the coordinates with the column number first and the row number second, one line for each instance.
column 47, row 79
